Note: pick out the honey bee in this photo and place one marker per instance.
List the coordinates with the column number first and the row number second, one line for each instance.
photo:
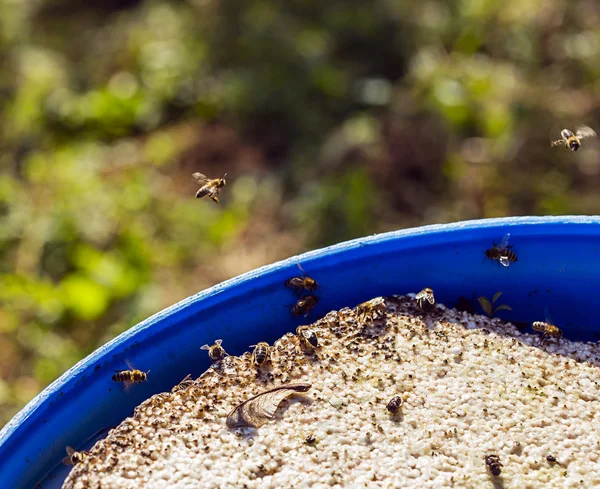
column 502, row 252
column 548, row 329
column 210, row 186
column 260, row 353
column 304, row 305
column 131, row 376
column 493, row 463
column 425, row 298
column 186, row 382
column 307, row 336
column 371, row 309
column 216, row 351
column 573, row 141
column 73, row 457
column 394, row 405
column 310, row 439
column 304, row 282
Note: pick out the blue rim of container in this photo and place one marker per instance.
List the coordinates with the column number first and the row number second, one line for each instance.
column 83, row 403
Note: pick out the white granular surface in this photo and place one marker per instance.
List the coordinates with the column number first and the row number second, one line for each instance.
column 470, row 387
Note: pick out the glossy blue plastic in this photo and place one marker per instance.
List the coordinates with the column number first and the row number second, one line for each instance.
column 557, row 257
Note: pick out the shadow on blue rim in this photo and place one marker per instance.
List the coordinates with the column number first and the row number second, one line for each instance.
column 557, row 258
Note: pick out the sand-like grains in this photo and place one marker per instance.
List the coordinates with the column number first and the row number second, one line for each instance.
column 470, row 387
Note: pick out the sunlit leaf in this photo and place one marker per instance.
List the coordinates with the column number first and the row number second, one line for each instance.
column 485, row 305
column 259, row 409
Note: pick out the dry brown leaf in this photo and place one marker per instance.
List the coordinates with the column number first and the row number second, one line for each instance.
column 259, row 409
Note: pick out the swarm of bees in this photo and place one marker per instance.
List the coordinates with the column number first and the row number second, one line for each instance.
column 215, row 352
column 547, row 328
column 425, row 298
column 210, row 186
column 131, row 376
column 572, row 140
column 502, row 252
column 493, row 463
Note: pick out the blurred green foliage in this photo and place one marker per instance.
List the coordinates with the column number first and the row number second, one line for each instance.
column 335, row 119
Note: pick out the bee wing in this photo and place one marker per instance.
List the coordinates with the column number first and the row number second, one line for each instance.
column 430, row 298
column 503, row 242
column 504, row 261
column 200, row 177
column 558, row 142
column 205, row 347
column 218, row 342
column 67, row 460
column 131, row 367
column 583, row 132
column 548, row 316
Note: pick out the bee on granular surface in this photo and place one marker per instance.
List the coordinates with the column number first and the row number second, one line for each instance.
column 548, row 328
column 216, row 351
column 394, row 405
column 260, row 353
column 307, row 336
column 502, row 252
column 371, row 309
column 493, row 463
column 73, row 457
column 130, row 377
column 425, row 298
column 573, row 141
column 186, row 382
column 304, row 282
column 304, row 305
column 210, row 186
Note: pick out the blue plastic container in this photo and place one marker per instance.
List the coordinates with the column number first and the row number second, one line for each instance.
column 557, row 256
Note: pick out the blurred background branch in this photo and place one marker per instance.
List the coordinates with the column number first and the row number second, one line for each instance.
column 335, row 120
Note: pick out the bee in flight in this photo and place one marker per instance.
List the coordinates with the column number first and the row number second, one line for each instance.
column 502, row 252
column 130, row 377
column 304, row 305
column 547, row 327
column 425, row 298
column 260, row 353
column 216, row 351
column 573, row 141
column 210, row 186
column 73, row 457
column 304, row 282
column 307, row 336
